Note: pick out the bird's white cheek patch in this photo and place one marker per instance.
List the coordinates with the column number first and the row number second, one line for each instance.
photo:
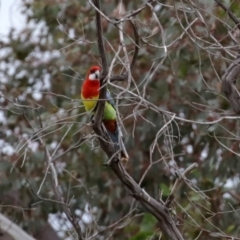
column 92, row 76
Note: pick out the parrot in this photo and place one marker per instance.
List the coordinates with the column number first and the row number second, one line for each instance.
column 90, row 94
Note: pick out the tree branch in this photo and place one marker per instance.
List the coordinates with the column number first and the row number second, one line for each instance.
column 97, row 119
column 229, row 85
column 136, row 37
column 233, row 71
column 124, row 76
column 157, row 209
column 121, row 77
column 133, row 13
column 229, row 12
column 54, row 183
column 179, row 180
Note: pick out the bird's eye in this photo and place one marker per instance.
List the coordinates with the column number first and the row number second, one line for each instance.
column 92, row 71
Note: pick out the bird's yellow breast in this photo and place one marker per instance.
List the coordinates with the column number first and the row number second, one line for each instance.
column 89, row 104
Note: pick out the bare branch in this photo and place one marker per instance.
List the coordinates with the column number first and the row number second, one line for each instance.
column 229, row 12
column 124, row 76
column 54, row 182
column 75, row 146
column 229, row 85
column 136, row 36
column 156, row 208
column 128, row 217
column 134, row 12
column 179, row 180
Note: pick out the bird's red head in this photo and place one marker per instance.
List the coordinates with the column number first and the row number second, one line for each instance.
column 94, row 73
column 91, row 85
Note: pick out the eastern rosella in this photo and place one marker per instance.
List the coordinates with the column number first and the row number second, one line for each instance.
column 90, row 95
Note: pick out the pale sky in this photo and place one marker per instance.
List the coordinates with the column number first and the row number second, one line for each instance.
column 10, row 16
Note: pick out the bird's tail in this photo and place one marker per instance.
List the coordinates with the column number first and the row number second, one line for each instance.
column 117, row 139
column 124, row 154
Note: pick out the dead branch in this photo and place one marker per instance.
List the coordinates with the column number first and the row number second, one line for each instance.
column 229, row 85
column 124, row 76
column 229, row 12
column 179, row 180
column 136, row 37
column 54, row 183
column 230, row 77
column 134, row 12
column 127, row 17
column 123, row 221
column 75, row 146
column 157, row 209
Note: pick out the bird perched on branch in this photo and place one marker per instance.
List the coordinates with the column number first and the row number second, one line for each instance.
column 90, row 94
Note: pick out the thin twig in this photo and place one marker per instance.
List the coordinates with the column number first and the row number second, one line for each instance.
column 124, row 76
column 229, row 12
column 54, row 182
column 179, row 180
column 229, row 85
column 136, row 49
column 116, row 224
